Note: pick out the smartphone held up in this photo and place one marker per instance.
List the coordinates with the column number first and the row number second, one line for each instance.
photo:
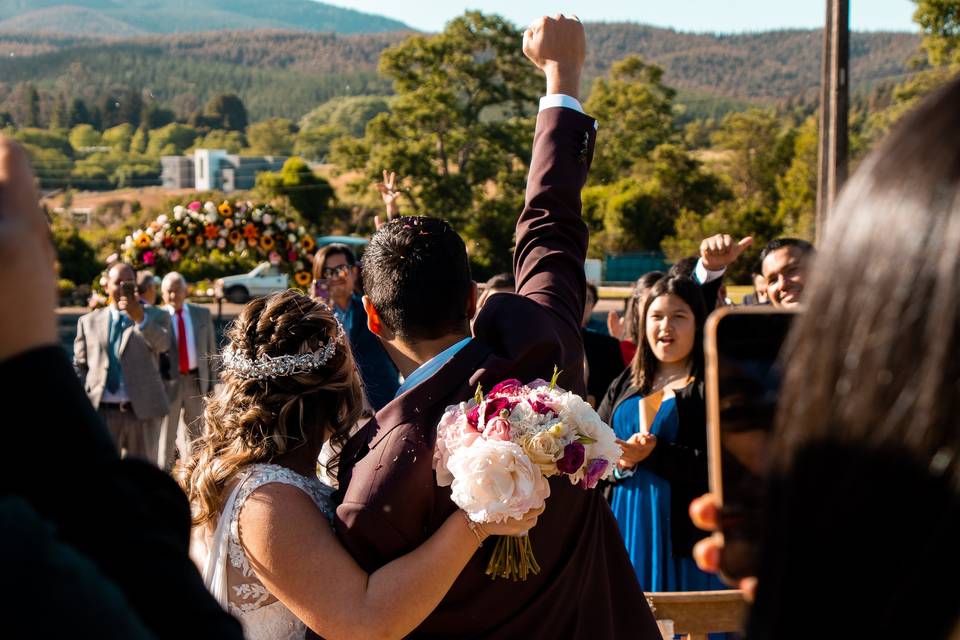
column 742, row 347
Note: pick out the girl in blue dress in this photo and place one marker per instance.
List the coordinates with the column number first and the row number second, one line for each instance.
column 656, row 407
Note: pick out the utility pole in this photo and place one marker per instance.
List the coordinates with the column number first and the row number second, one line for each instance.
column 834, row 109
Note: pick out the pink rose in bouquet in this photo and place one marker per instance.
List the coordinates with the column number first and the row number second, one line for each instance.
column 497, row 452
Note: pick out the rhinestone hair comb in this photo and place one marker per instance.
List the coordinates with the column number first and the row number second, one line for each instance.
column 268, row 367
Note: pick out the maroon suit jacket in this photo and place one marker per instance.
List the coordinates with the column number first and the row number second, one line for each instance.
column 391, row 502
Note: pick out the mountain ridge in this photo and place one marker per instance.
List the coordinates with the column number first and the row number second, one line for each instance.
column 102, row 17
column 285, row 73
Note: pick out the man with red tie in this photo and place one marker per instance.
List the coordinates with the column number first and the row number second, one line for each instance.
column 193, row 347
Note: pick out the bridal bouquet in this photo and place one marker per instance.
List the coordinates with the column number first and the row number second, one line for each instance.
column 496, row 453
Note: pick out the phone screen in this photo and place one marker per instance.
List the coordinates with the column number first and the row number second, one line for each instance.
column 321, row 290
column 743, row 384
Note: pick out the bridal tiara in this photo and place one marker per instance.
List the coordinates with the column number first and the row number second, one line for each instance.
column 267, row 367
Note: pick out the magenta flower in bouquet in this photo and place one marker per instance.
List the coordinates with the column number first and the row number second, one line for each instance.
column 497, row 452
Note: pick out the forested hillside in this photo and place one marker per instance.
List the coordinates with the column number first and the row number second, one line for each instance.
column 125, row 17
column 285, row 74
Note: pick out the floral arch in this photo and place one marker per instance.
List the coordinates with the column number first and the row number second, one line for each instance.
column 255, row 230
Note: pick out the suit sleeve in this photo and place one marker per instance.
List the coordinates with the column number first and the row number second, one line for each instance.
column 155, row 332
column 390, row 504
column 80, row 352
column 551, row 235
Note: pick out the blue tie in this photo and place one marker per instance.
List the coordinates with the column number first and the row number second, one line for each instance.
column 114, row 373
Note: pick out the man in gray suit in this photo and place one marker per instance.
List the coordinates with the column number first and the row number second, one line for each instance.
column 192, row 350
column 116, row 354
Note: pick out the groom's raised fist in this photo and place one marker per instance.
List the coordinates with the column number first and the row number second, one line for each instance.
column 557, row 46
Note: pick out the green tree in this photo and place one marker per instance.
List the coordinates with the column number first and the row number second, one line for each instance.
column 637, row 213
column 226, row 111
column 119, row 137
column 797, row 188
column 78, row 113
column 231, row 141
column 76, row 257
column 315, row 143
column 348, row 114
column 26, row 105
column 273, row 137
column 140, row 140
column 307, row 192
column 459, row 130
column 136, row 173
column 737, row 218
column 153, row 116
column 760, row 151
column 636, row 112
column 84, row 136
column 45, row 139
column 171, row 140
column 940, row 22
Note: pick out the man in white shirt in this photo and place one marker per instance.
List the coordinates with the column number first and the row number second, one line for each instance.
column 193, row 345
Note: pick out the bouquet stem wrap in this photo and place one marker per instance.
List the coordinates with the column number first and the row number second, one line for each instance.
column 512, row 559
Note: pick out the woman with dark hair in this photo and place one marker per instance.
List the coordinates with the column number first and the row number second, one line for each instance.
column 863, row 518
column 657, row 409
column 627, row 330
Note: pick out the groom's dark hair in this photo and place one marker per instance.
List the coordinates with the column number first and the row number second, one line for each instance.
column 417, row 276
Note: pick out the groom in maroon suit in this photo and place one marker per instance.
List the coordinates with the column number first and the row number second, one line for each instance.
column 419, row 300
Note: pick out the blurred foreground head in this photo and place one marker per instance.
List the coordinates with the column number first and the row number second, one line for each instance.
column 866, row 499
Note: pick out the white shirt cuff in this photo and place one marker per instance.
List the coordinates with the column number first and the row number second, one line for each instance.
column 562, row 100
column 703, row 275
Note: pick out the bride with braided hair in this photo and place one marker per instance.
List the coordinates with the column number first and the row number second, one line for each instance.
column 262, row 520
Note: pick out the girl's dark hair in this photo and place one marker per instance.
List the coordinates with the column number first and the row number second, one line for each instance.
column 644, row 365
column 874, row 361
column 631, row 326
column 250, row 421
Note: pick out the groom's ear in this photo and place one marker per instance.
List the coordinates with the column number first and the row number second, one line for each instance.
column 373, row 318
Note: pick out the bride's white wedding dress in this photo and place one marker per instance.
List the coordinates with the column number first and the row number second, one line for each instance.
column 226, row 569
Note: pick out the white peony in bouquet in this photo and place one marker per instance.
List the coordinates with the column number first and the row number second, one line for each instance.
column 496, row 453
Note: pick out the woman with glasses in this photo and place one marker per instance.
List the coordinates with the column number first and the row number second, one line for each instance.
column 335, row 275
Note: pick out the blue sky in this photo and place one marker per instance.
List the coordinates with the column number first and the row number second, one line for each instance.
column 684, row 15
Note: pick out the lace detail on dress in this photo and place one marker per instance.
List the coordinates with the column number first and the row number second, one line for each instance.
column 247, row 594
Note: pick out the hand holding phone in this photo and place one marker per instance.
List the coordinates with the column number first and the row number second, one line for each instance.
column 321, row 290
column 129, row 301
column 742, row 347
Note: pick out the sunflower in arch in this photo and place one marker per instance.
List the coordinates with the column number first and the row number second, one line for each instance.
column 235, row 236
column 302, row 278
column 141, row 240
column 267, row 243
column 182, row 241
column 307, row 243
column 225, row 209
